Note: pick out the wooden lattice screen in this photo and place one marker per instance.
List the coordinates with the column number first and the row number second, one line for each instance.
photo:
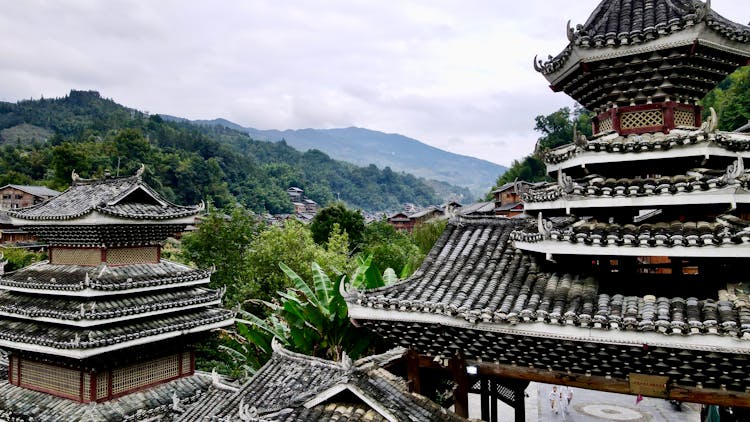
column 56, row 380
column 129, row 256
column 76, row 256
column 684, row 118
column 85, row 386
column 641, row 119
column 606, row 125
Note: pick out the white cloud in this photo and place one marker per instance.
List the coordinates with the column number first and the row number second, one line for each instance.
column 456, row 75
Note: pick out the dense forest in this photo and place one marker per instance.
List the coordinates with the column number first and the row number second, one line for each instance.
column 730, row 99
column 44, row 140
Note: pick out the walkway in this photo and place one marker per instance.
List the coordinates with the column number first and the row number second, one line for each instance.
column 594, row 406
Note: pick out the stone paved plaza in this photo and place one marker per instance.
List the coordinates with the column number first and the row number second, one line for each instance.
column 594, row 406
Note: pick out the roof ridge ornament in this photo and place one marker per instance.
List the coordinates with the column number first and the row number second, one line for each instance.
column 544, row 226
column 734, row 170
column 246, row 412
column 565, row 182
column 140, row 171
column 711, row 123
column 569, row 32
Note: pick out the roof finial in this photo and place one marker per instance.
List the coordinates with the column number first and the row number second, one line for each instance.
column 537, row 64
column 74, row 176
column 569, row 32
column 140, row 171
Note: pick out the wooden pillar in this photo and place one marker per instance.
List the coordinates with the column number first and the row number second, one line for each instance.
column 461, row 393
column 493, row 400
column 519, row 405
column 484, row 397
column 412, row 371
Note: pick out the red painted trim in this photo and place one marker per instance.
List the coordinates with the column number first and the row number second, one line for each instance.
column 18, row 371
column 698, row 118
column 642, row 130
column 109, row 385
column 192, row 362
column 694, row 48
column 158, row 254
column 92, row 386
column 104, row 255
column 49, row 254
column 668, row 117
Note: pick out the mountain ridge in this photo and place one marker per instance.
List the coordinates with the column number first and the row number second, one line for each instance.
column 362, row 146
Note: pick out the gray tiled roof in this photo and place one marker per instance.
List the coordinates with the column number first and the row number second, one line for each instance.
column 280, row 389
column 21, row 404
column 34, row 190
column 34, row 333
column 726, row 229
column 658, row 141
column 627, row 22
column 45, row 276
column 696, row 180
column 126, row 197
column 478, row 296
column 72, row 309
column 475, row 274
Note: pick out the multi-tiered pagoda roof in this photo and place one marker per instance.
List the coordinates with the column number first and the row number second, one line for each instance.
column 105, row 315
column 626, row 275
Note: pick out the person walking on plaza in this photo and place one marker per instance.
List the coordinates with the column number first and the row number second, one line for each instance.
column 567, row 396
column 554, row 398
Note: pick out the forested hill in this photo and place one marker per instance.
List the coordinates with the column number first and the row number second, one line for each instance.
column 44, row 140
column 364, row 146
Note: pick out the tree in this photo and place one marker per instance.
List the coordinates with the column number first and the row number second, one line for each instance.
column 426, row 234
column 390, row 248
column 556, row 130
column 348, row 220
column 731, row 100
column 223, row 240
column 293, row 245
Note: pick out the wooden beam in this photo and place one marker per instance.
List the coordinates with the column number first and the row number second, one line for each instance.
column 612, row 385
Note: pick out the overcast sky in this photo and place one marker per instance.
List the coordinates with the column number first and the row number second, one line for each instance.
column 454, row 74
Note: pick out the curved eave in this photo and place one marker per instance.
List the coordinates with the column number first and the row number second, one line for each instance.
column 729, row 196
column 84, row 323
column 554, row 247
column 88, row 292
column 87, row 353
column 585, row 158
column 96, row 218
column 703, row 342
column 700, row 33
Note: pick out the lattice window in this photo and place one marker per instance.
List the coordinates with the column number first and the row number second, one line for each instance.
column 684, row 118
column 128, row 256
column 144, row 374
column 639, row 119
column 76, row 256
column 102, row 382
column 51, row 379
column 186, row 362
column 86, row 386
column 606, row 125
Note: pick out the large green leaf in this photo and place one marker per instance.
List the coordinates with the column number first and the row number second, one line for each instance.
column 323, row 287
column 298, row 283
column 389, row 276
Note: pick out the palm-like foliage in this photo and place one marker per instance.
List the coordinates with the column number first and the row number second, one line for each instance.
column 311, row 320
